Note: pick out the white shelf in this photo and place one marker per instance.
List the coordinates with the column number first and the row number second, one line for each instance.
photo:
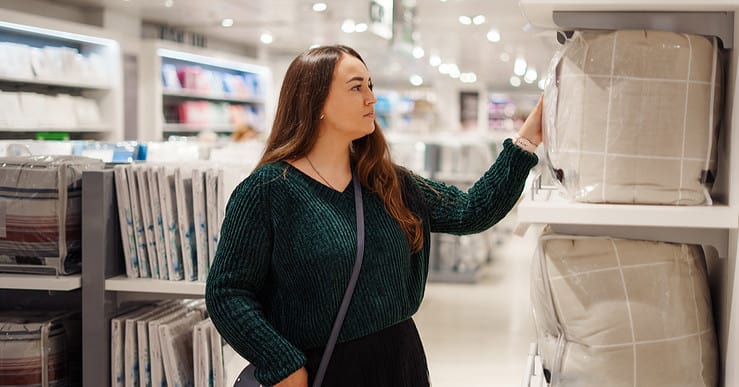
column 197, row 127
column 539, row 12
column 41, row 128
column 40, row 282
column 54, row 83
column 147, row 285
column 558, row 210
column 191, row 94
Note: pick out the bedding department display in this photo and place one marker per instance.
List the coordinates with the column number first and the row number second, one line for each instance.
column 41, row 213
column 632, row 116
column 609, row 312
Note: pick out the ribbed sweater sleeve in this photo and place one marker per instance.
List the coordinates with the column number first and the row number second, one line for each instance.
column 238, row 273
column 486, row 202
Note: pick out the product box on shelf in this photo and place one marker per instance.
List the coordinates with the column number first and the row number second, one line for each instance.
column 40, row 213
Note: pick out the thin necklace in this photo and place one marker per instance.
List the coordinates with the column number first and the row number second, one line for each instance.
column 319, row 174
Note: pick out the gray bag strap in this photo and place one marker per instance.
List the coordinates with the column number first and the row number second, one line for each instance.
column 247, row 379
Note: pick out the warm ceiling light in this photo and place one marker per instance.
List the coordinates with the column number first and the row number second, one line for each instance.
column 531, row 75
column 266, row 38
column 319, row 7
column 515, row 81
column 519, row 67
column 493, row 35
column 227, row 22
column 348, row 26
column 479, row 19
column 466, row 20
column 418, row 52
column 435, row 60
column 468, row 77
column 416, row 80
column 360, row 27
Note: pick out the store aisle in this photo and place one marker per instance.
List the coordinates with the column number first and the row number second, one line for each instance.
column 478, row 335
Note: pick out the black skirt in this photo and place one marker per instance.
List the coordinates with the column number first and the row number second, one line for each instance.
column 392, row 357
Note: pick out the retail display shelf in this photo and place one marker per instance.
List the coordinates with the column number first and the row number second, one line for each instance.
column 539, row 12
column 558, row 210
column 54, row 83
column 42, row 128
column 197, row 127
column 211, row 97
column 40, row 282
column 122, row 283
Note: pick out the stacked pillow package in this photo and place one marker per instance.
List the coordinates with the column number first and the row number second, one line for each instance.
column 633, row 116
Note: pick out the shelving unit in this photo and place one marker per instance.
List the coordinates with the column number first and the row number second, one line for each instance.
column 122, row 283
column 164, row 97
column 45, row 52
column 40, row 282
column 716, row 225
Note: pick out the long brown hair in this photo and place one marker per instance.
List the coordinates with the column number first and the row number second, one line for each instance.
column 295, row 130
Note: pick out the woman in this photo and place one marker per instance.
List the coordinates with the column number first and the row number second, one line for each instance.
column 288, row 241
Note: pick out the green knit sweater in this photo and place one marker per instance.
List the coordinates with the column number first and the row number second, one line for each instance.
column 288, row 244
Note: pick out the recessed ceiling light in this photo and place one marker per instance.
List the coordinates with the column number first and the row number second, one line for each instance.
column 348, row 26
column 541, row 84
column 530, row 75
column 360, row 27
column 515, row 81
column 434, row 60
column 418, row 52
column 519, row 67
column 227, row 22
column 416, row 80
column 493, row 35
column 168, row 3
column 479, row 19
column 466, row 20
column 319, row 7
column 266, row 38
column 468, row 77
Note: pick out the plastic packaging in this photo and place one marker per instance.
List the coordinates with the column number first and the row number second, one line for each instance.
column 617, row 312
column 632, row 116
column 41, row 213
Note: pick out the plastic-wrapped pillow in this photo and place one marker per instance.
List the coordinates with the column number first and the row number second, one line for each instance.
column 632, row 116
column 618, row 312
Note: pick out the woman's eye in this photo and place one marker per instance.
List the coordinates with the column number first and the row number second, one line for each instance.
column 357, row 87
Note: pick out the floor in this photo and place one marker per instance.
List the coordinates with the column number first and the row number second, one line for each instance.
column 478, row 334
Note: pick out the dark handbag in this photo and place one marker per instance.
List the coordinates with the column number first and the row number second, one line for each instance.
column 246, row 377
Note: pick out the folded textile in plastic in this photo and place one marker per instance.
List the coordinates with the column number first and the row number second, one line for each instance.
column 618, row 312
column 41, row 213
column 40, row 349
column 632, row 116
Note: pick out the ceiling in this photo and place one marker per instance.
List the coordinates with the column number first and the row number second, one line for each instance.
column 295, row 27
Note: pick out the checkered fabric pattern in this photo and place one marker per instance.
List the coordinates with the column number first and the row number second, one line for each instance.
column 632, row 116
column 617, row 312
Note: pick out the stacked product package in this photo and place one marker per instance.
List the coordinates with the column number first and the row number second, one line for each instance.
column 40, row 349
column 41, row 213
column 631, row 117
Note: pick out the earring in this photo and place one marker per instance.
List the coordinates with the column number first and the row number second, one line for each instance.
column 323, row 115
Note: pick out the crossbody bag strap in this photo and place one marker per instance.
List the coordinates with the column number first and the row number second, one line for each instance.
column 359, row 209
column 247, row 379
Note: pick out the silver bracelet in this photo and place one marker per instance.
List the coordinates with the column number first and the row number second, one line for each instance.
column 525, row 144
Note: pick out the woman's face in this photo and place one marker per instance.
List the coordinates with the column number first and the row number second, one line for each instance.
column 349, row 107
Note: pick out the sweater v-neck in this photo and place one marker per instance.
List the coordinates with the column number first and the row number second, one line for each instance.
column 315, row 183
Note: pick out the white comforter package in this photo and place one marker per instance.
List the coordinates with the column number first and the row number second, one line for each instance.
column 617, row 312
column 632, row 116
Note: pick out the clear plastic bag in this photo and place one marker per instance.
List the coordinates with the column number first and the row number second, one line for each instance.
column 618, row 312
column 632, row 116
